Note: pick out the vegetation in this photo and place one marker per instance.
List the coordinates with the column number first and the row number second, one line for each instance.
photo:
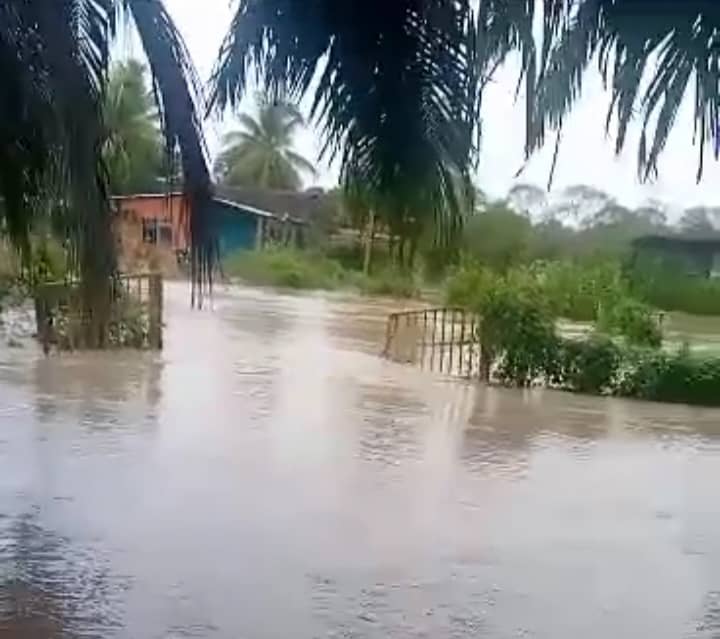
column 260, row 153
column 133, row 149
column 520, row 346
column 312, row 269
column 55, row 58
column 284, row 267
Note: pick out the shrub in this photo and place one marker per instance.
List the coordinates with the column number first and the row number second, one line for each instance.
column 285, row 268
column 517, row 333
column 129, row 326
column 674, row 377
column 634, row 321
column 667, row 285
column 464, row 287
column 587, row 366
column 576, row 290
column 391, row 282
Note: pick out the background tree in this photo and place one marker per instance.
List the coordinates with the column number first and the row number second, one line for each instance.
column 133, row 149
column 699, row 220
column 54, row 58
column 396, row 98
column 498, row 236
column 261, row 152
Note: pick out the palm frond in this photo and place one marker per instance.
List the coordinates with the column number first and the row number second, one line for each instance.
column 625, row 37
column 301, row 163
column 177, row 91
column 395, row 98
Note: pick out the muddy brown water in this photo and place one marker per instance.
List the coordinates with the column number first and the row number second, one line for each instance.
column 269, row 476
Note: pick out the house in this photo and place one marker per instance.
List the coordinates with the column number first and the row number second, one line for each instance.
column 694, row 254
column 152, row 229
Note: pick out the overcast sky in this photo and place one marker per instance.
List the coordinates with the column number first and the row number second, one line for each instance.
column 586, row 155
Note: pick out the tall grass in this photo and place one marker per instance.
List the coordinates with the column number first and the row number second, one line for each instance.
column 292, row 268
column 285, row 268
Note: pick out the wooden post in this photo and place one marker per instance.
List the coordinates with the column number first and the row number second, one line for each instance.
column 423, row 344
column 392, row 320
column 432, row 347
column 155, row 285
column 442, row 339
column 452, row 340
column 370, row 232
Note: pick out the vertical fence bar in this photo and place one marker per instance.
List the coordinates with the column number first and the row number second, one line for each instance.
column 414, row 337
column 452, row 340
column 424, row 341
column 388, row 335
column 442, row 338
column 155, row 302
column 471, row 350
column 407, row 331
column 462, row 342
column 434, row 334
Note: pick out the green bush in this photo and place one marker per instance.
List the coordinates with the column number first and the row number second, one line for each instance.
column 517, row 331
column 576, row 290
column 586, row 366
column 465, row 285
column 671, row 377
column 634, row 321
column 282, row 267
column 666, row 285
column 391, row 282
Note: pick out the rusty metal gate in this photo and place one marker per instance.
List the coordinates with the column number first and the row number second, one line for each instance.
column 442, row 340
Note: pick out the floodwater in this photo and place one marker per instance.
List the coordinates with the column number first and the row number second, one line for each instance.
column 269, row 476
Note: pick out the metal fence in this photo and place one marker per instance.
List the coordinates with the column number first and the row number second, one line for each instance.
column 62, row 301
column 443, row 340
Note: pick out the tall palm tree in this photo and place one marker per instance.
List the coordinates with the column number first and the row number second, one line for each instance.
column 133, row 149
column 260, row 153
column 54, row 59
column 401, row 81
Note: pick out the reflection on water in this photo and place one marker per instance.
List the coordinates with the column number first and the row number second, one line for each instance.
column 268, row 475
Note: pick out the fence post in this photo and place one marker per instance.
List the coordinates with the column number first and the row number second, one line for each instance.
column 462, row 342
column 155, row 286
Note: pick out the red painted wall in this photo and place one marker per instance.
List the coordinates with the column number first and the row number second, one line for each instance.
column 172, row 209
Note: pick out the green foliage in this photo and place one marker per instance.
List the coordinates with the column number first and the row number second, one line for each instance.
column 586, row 366
column 633, row 320
column 677, row 377
column 391, row 282
column 261, row 152
column 465, row 285
column 518, row 334
column 130, row 325
column 285, row 268
column 497, row 237
column 667, row 285
column 49, row 260
column 397, row 106
column 576, row 291
column 133, row 149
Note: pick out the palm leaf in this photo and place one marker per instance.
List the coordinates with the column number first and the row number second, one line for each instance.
column 396, row 95
column 624, row 36
column 177, row 93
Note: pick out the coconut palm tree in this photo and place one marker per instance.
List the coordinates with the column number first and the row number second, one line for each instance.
column 260, row 153
column 54, row 59
column 133, row 149
column 401, row 81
